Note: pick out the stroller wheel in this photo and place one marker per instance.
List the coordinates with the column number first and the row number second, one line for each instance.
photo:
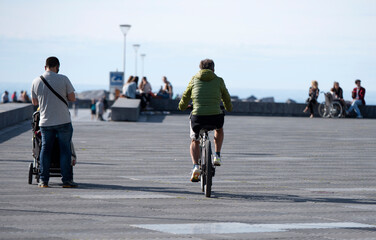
column 31, row 173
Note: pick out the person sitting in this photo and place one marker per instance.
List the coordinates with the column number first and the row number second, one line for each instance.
column 358, row 94
column 313, row 95
column 14, row 96
column 21, row 98
column 26, row 98
column 145, row 92
column 5, row 97
column 130, row 87
column 166, row 90
column 338, row 94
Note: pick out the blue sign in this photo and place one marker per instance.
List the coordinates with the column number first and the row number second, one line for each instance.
column 116, row 79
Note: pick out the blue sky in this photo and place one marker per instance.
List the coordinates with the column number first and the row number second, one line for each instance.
column 262, row 48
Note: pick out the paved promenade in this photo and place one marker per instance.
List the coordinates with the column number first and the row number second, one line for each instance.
column 282, row 178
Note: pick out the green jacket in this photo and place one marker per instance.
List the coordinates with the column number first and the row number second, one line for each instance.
column 206, row 91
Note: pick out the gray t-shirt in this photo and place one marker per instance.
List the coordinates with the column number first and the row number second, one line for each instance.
column 52, row 110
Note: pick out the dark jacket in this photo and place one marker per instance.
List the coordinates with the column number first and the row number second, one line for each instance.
column 362, row 93
column 338, row 92
column 313, row 93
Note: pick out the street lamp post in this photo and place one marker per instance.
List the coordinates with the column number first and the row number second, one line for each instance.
column 136, row 47
column 124, row 28
column 143, row 55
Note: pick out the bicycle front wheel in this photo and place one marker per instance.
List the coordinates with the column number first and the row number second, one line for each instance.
column 335, row 110
column 208, row 169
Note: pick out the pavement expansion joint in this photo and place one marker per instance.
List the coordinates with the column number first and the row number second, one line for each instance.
column 123, row 195
column 233, row 227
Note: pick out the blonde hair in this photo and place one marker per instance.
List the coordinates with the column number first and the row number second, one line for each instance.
column 315, row 84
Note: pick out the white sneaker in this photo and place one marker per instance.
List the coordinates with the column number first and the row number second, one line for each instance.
column 195, row 174
column 217, row 161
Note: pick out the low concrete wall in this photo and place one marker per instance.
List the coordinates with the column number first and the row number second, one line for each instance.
column 13, row 113
column 86, row 103
column 245, row 108
column 258, row 109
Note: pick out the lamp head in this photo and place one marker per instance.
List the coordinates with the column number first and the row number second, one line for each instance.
column 125, row 28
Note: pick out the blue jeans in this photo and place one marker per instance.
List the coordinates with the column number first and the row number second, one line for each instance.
column 62, row 133
column 354, row 106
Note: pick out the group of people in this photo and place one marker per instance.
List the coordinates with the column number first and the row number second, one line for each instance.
column 358, row 94
column 143, row 91
column 23, row 98
column 206, row 90
column 98, row 108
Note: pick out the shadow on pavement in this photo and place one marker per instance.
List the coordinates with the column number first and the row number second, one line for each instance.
column 14, row 131
column 250, row 154
column 94, row 186
column 159, row 118
column 290, row 198
column 98, row 164
column 23, row 161
column 119, row 215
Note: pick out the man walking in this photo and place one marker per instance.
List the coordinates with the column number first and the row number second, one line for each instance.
column 55, row 121
column 358, row 94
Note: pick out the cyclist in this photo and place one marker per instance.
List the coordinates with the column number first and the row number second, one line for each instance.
column 206, row 90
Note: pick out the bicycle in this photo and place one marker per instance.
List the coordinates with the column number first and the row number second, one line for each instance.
column 205, row 161
column 330, row 108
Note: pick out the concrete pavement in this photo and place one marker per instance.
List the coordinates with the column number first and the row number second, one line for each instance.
column 282, row 178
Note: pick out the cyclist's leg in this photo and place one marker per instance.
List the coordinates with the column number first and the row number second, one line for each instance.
column 195, row 154
column 218, row 134
column 195, row 151
column 218, row 139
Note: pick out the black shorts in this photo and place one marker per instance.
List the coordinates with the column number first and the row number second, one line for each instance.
column 209, row 122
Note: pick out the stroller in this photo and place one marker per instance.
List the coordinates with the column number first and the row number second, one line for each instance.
column 34, row 167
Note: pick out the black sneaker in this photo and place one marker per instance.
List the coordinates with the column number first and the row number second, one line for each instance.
column 70, row 184
column 43, row 185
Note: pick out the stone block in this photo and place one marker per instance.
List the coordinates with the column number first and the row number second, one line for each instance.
column 125, row 109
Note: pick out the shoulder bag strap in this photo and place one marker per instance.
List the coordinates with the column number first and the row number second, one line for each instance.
column 52, row 90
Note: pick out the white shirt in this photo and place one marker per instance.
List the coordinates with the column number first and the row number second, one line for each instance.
column 357, row 93
column 52, row 110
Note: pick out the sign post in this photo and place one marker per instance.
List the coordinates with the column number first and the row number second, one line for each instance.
column 116, row 82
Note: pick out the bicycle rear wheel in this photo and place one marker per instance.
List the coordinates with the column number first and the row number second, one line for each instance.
column 335, row 110
column 202, row 168
column 208, row 169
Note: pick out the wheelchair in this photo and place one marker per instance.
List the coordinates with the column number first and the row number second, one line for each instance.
column 331, row 107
